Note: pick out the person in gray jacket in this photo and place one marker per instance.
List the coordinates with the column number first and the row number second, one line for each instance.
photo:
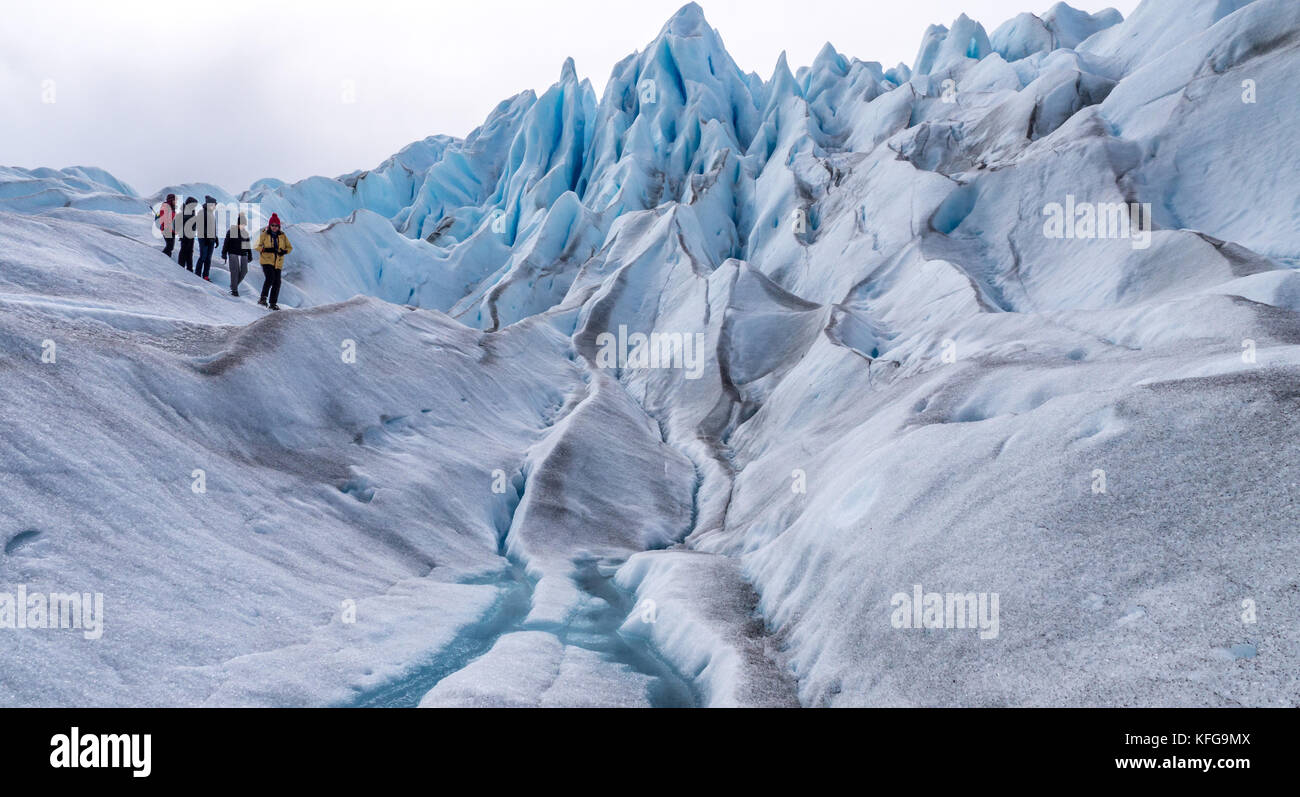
column 236, row 251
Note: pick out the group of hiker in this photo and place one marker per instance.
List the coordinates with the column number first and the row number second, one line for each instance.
column 197, row 224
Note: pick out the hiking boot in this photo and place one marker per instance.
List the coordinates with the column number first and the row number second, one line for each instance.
column 234, row 293
column 205, row 279
column 275, row 307
column 262, row 301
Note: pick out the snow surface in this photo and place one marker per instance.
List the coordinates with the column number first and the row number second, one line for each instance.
column 903, row 381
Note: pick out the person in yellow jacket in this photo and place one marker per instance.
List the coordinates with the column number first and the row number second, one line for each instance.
column 274, row 245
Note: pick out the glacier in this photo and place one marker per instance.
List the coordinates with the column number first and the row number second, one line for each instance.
column 906, row 381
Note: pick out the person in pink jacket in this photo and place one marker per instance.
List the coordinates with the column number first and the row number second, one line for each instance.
column 166, row 219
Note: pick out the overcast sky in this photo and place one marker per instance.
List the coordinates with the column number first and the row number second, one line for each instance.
column 229, row 92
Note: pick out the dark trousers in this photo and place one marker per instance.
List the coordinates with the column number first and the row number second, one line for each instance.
column 271, row 283
column 204, row 266
column 238, row 270
column 186, row 255
column 167, row 248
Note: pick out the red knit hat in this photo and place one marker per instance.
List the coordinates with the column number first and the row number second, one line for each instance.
column 275, row 220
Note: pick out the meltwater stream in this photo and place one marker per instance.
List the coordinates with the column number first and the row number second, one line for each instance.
column 595, row 627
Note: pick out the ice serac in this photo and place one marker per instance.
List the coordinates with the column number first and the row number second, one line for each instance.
column 1219, row 79
column 668, row 112
column 84, row 188
column 885, row 357
column 1155, row 27
column 1062, row 26
column 944, row 50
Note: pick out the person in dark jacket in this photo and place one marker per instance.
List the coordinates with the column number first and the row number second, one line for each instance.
column 189, row 225
column 166, row 219
column 208, row 237
column 274, row 245
column 236, row 251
